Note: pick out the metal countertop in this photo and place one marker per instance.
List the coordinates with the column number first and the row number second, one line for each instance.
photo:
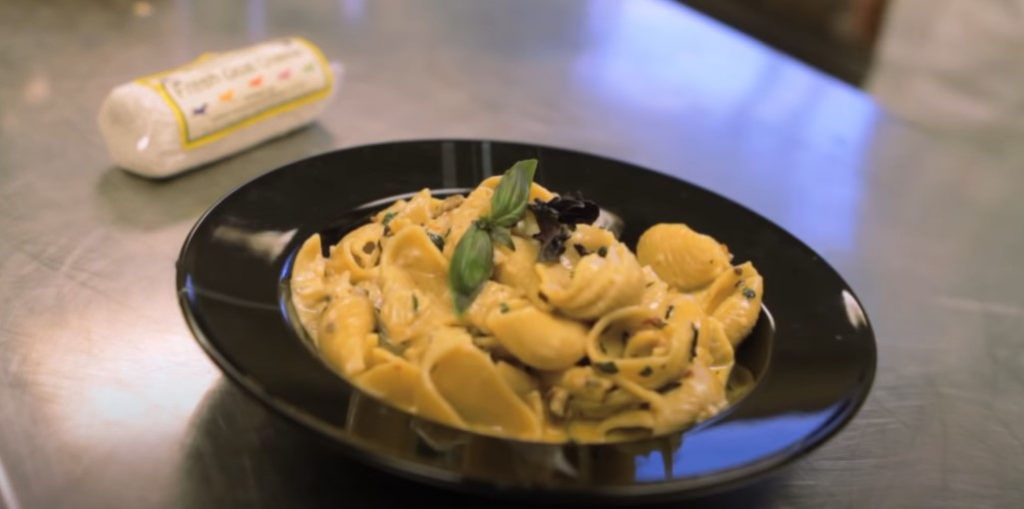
column 106, row 401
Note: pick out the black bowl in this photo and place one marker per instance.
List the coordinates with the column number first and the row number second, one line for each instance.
column 813, row 357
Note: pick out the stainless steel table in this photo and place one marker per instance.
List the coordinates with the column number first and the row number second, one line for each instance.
column 107, row 402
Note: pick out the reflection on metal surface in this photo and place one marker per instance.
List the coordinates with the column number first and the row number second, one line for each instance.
column 37, row 90
column 142, row 9
column 981, row 307
column 826, row 172
column 352, row 10
column 654, row 56
column 256, row 19
column 8, row 500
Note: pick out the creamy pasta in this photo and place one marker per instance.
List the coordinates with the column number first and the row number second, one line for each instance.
column 569, row 335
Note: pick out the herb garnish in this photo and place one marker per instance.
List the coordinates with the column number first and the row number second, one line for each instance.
column 386, row 221
column 675, row 384
column 471, row 265
column 473, row 259
column 501, row 235
column 749, row 293
column 606, row 367
column 693, row 345
column 556, row 218
column 437, row 240
column 647, row 371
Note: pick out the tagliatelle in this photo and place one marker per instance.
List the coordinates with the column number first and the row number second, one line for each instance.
column 600, row 344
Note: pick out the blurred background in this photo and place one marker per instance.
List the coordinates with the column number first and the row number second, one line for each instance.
column 949, row 66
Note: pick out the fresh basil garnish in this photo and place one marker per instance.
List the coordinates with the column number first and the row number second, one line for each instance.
column 512, row 194
column 473, row 260
column 471, row 265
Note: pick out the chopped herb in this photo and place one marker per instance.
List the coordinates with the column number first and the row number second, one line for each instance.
column 556, row 218
column 668, row 312
column 369, row 247
column 580, row 249
column 693, row 345
column 503, row 308
column 602, row 251
column 437, row 240
column 387, row 218
column 606, row 367
column 552, row 235
column 571, row 208
column 647, row 371
column 415, row 304
column 749, row 293
column 738, row 271
column 675, row 384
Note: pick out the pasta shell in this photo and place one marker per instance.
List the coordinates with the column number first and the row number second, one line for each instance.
column 682, row 257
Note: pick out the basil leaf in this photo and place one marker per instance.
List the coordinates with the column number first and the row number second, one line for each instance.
column 471, row 266
column 502, row 236
column 510, row 197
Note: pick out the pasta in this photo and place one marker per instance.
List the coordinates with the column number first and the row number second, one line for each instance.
column 568, row 335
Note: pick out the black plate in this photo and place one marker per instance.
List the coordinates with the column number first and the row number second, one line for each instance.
column 814, row 365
